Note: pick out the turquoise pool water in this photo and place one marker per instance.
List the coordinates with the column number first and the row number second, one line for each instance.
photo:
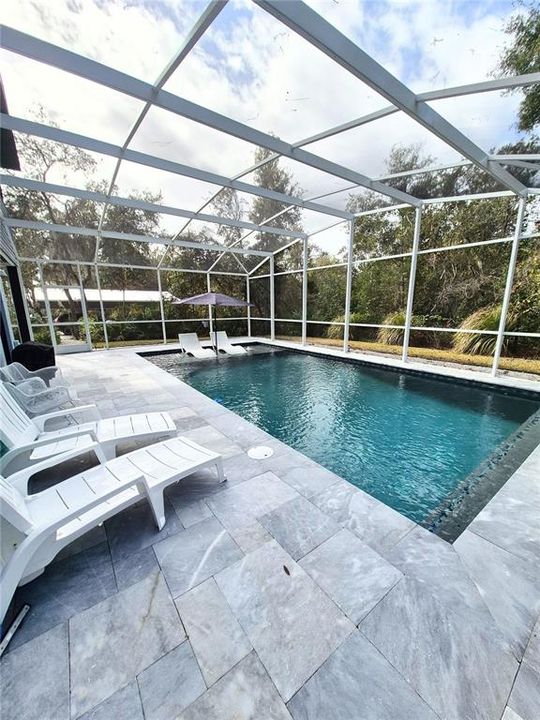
column 405, row 439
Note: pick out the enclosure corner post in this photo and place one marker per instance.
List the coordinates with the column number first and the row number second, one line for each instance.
column 348, row 288
column 162, row 307
column 412, row 282
column 248, row 299
column 508, row 287
column 272, row 301
column 210, row 317
column 304, row 289
column 101, row 306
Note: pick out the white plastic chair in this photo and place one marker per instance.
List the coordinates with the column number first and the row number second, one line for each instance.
column 36, row 527
column 36, row 398
column 28, row 441
column 16, row 373
column 191, row 346
column 224, row 344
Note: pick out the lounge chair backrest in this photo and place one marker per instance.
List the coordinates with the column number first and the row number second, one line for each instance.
column 16, row 428
column 12, row 373
column 13, row 507
column 189, row 341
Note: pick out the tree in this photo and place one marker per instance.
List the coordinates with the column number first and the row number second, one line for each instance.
column 523, row 56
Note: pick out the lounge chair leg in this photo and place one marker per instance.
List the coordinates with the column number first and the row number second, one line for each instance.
column 106, row 451
column 158, row 507
column 220, row 473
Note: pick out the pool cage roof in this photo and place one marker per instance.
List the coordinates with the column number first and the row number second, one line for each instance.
column 330, row 180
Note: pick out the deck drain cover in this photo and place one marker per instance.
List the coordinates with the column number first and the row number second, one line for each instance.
column 260, row 452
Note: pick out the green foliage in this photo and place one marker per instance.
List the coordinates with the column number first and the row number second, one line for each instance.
column 487, row 318
column 523, row 56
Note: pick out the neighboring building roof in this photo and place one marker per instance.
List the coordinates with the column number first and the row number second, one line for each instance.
column 107, row 296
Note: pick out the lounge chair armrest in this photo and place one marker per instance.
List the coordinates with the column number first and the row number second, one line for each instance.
column 73, row 513
column 21, row 478
column 41, row 420
column 15, row 452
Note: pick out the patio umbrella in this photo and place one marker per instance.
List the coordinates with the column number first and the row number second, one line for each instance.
column 216, row 300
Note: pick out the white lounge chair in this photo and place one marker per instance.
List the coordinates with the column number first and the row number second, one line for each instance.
column 16, row 373
column 36, row 398
column 190, row 344
column 28, row 441
column 36, row 527
column 225, row 345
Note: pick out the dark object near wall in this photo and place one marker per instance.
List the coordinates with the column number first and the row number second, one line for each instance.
column 34, row 356
column 9, row 158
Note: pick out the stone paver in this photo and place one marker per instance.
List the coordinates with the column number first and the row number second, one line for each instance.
column 193, row 555
column 250, row 537
column 243, row 503
column 510, row 587
column 358, row 682
column 135, row 567
column 376, row 524
column 245, row 693
column 435, row 563
column 171, row 684
column 117, row 639
column 525, row 697
column 458, row 669
column 290, row 622
column 299, row 526
column 532, row 653
column 66, row 587
column 123, row 541
column 215, row 634
column 124, row 704
column 353, row 574
column 34, row 679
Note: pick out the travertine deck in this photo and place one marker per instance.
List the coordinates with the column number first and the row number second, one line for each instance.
column 285, row 593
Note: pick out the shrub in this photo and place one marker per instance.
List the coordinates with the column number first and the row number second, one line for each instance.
column 487, row 318
column 335, row 332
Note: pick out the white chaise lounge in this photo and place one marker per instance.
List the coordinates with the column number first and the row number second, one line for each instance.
column 36, row 527
column 225, row 345
column 28, row 441
column 191, row 345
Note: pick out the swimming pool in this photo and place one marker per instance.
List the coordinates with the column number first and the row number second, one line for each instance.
column 407, row 440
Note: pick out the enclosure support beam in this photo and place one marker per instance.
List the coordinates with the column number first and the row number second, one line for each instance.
column 412, row 281
column 304, row 290
column 161, row 307
column 47, row 307
column 508, row 286
column 19, row 302
column 210, row 316
column 348, row 288
column 272, row 301
column 320, row 33
column 248, row 298
column 83, row 309
column 102, row 307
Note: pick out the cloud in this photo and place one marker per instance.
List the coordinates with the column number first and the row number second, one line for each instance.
column 254, row 69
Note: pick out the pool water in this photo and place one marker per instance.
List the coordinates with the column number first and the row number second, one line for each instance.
column 407, row 440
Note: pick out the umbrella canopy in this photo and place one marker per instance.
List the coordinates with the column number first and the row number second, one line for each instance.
column 210, row 298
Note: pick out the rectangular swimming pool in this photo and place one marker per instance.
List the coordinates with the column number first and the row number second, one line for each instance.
column 408, row 440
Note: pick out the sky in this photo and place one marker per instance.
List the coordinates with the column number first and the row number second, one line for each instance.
column 255, row 70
